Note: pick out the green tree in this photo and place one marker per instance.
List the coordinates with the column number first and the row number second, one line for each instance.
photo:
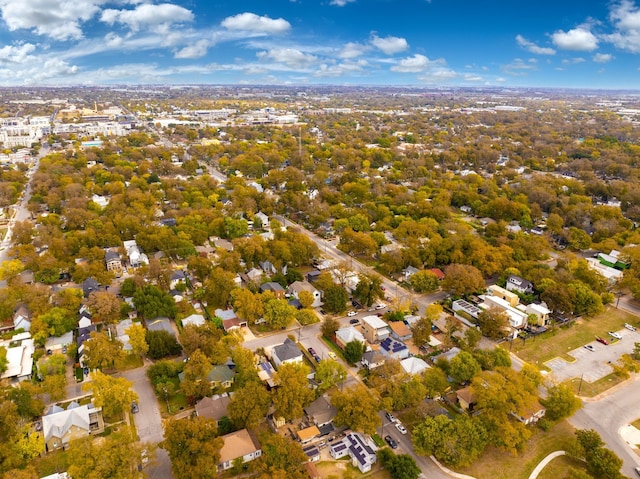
column 162, row 344
column 369, row 289
column 59, row 320
column 461, row 279
column 403, row 466
column 104, row 306
column 435, row 382
column 247, row 305
column 195, row 384
column 357, row 408
column 218, row 288
column 193, row 447
column 306, row 316
column 249, row 405
column 114, row 395
column 306, row 298
column 29, row 406
column 330, row 372
column 128, row 288
column 101, row 352
column 293, row 393
column 560, row 402
column 151, row 302
column 281, row 457
column 278, row 313
column 329, row 327
column 424, row 282
column 335, row 299
column 463, row 367
column 421, row 330
column 471, row 338
column 138, row 339
column 353, row 351
column 494, row 323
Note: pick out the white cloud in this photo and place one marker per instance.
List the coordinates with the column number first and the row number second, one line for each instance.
column 148, row 16
column 602, row 57
column 580, row 39
column 341, row 69
column 533, row 48
column 389, row 45
column 473, row 78
column 353, row 50
column 197, row 50
column 519, row 67
column 254, row 23
column 288, row 56
column 60, row 20
column 340, row 3
column 438, row 75
column 573, row 61
column 625, row 17
column 416, row 63
column 17, row 54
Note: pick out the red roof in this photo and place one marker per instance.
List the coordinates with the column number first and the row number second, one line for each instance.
column 438, row 272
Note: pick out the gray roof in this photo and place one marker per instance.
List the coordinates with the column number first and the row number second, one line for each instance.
column 58, row 421
column 287, row 350
column 159, row 324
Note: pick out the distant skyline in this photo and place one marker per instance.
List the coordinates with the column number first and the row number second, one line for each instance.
column 560, row 43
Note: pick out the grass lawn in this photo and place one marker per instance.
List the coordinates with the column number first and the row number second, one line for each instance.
column 51, row 463
column 130, row 361
column 496, row 464
column 593, row 389
column 556, row 342
column 559, row 466
column 636, row 423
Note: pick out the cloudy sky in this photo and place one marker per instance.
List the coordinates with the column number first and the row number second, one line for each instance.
column 559, row 43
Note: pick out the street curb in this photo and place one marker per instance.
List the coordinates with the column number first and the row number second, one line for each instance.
column 449, row 471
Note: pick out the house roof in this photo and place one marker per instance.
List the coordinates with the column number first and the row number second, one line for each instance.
column 297, row 286
column 58, row 422
column 194, row 319
column 308, row 433
column 19, row 359
column 287, row 350
column 271, row 286
column 520, row 282
column 392, row 346
column 111, row 256
column 159, row 324
column 466, row 395
column 54, row 341
column 220, row 374
column 225, row 313
column 374, row 322
column 373, row 357
column 213, row 407
column 238, row 444
column 348, row 334
column 360, row 449
column 438, row 272
column 400, row 328
column 414, row 365
column 321, row 411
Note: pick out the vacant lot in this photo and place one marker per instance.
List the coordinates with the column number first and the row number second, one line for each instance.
column 556, row 342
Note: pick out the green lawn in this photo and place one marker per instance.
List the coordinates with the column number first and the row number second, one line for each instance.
column 51, row 463
column 593, row 389
column 556, row 342
column 636, row 423
column 495, row 464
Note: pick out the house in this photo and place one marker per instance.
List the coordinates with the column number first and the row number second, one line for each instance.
column 262, row 219
column 60, row 426
column 313, row 275
column 276, row 288
column 223, row 244
column 136, row 257
column 408, row 272
column 312, row 452
column 27, row 276
column 466, row 398
column 320, row 412
column 437, row 272
column 374, row 329
column 159, row 324
column 122, row 336
column 176, row 278
column 541, row 312
column 112, row 261
column 530, row 414
column 297, row 287
column 266, row 374
column 214, row 407
column 414, row 365
column 516, row 283
column 308, row 434
column 221, row 375
column 372, row 359
column 287, row 352
column 229, row 319
column 517, row 318
column 361, row 451
column 56, row 344
column 400, row 331
column 508, row 296
column 393, row 348
column 346, row 335
column 193, row 320
column 253, row 276
column 22, row 318
column 267, row 267
column 19, row 357
column 239, row 444
column 90, row 285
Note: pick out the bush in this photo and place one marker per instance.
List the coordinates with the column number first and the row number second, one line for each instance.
column 162, row 344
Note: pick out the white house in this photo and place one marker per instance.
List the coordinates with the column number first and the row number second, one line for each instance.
column 297, row 287
column 136, row 257
column 361, row 451
column 287, row 352
column 239, row 444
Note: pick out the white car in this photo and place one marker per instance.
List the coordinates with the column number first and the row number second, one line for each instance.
column 629, row 327
column 401, row 428
column 615, row 335
column 351, row 313
column 381, row 306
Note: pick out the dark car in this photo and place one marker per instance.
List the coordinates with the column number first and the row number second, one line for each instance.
column 391, row 441
column 312, row 351
column 134, row 407
column 317, row 358
column 602, row 340
column 589, row 347
column 354, row 321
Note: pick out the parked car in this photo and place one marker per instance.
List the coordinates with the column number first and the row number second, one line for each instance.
column 630, row 327
column 351, row 313
column 637, row 469
column 390, row 417
column 401, row 428
column 332, row 355
column 615, row 335
column 312, row 351
column 391, row 441
column 317, row 358
column 589, row 347
column 602, row 340
column 134, row 407
column 381, row 306
column 354, row 321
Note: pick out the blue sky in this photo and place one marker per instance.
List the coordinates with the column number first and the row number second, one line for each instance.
column 543, row 43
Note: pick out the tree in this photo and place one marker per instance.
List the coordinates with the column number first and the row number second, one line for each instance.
column 335, row 299
column 424, row 282
column 151, row 302
column 279, row 314
column 128, row 288
column 195, row 384
column 137, row 338
column 329, row 327
column 293, row 393
column 162, row 344
column 59, row 321
column 330, row 372
column 369, row 289
column 560, row 402
column 55, row 386
column 218, row 288
column 601, row 462
column 101, row 352
column 353, row 351
column 117, row 455
column 208, row 339
column 104, row 306
column 493, row 322
column 306, row 298
column 29, row 406
column 463, row 367
column 435, row 382
column 113, row 395
column 357, row 408
column 472, row 336
column 306, row 316
column 461, row 278
column 247, row 305
column 281, row 457
column 421, row 330
column 249, row 405
column 403, row 466
column 193, row 447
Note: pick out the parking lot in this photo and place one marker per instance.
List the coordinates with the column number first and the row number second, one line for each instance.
column 594, row 364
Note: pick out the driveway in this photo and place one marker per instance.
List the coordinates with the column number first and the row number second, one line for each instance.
column 593, row 365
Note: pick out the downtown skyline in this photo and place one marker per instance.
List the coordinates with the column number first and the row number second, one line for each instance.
column 432, row 43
